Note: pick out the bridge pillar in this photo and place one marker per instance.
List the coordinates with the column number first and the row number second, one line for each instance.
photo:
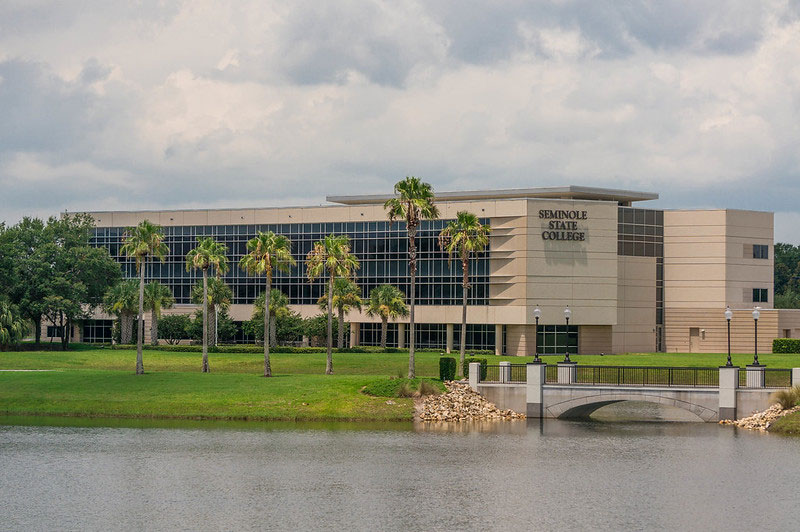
column 474, row 375
column 535, row 390
column 755, row 376
column 728, row 383
column 567, row 372
column 795, row 376
column 505, row 372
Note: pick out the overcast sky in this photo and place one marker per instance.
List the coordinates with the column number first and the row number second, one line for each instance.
column 155, row 104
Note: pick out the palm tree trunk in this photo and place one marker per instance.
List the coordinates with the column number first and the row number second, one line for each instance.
column 465, row 267
column 205, row 320
column 140, row 325
column 37, row 323
column 341, row 329
column 125, row 328
column 153, row 327
column 212, row 325
column 384, row 331
column 273, row 331
column 267, row 368
column 329, row 363
column 412, row 252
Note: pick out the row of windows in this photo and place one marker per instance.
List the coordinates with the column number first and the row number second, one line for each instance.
column 557, row 339
column 382, row 251
column 430, row 335
column 97, row 331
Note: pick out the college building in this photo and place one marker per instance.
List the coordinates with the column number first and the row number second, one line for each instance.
column 635, row 279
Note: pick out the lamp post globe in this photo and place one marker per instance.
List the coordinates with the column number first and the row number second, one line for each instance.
column 728, row 316
column 567, row 315
column 756, row 314
column 537, row 313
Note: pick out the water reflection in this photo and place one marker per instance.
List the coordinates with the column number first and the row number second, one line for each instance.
column 530, row 474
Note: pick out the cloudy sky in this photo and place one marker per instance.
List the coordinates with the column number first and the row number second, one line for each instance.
column 153, row 104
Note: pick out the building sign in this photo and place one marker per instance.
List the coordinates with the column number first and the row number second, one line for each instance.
column 563, row 225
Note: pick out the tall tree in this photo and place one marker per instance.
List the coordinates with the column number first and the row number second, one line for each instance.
column 462, row 237
column 346, row 296
column 156, row 297
column 331, row 256
column 278, row 310
column 23, row 259
column 12, row 326
column 220, row 297
column 208, row 253
column 267, row 252
column 141, row 242
column 413, row 202
column 388, row 302
column 121, row 300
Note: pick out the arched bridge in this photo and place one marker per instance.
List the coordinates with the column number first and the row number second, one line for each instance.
column 569, row 390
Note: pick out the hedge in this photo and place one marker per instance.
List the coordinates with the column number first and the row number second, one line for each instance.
column 447, row 368
column 483, row 362
column 786, row 345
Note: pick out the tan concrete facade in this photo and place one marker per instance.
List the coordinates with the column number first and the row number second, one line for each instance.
column 707, row 264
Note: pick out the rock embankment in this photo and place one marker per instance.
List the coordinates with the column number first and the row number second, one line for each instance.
column 761, row 420
column 460, row 403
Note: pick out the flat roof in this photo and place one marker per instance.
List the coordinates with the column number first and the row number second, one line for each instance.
column 568, row 192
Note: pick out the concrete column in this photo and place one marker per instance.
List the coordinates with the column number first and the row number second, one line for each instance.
column 498, row 340
column 755, row 376
column 450, row 339
column 728, row 383
column 505, row 372
column 535, row 390
column 474, row 375
column 795, row 376
column 567, row 372
column 401, row 335
column 304, row 341
column 355, row 333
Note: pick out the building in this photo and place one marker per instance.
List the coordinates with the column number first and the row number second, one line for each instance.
column 636, row 279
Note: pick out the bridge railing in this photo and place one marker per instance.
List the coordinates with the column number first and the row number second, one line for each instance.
column 640, row 376
column 773, row 377
column 509, row 373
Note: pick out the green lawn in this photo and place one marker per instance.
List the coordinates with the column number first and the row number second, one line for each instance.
column 101, row 383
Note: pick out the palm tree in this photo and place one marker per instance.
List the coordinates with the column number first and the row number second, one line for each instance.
column 346, row 296
column 278, row 308
column 12, row 326
column 331, row 256
column 208, row 253
column 388, row 302
column 267, row 252
column 414, row 202
column 220, row 296
column 141, row 242
column 156, row 297
column 462, row 237
column 121, row 300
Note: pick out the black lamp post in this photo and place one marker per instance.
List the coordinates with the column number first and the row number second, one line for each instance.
column 728, row 316
column 756, row 314
column 567, row 314
column 537, row 313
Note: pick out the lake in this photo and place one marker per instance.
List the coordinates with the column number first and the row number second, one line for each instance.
column 551, row 475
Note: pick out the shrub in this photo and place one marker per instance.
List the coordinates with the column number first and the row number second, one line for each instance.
column 173, row 328
column 428, row 388
column 483, row 362
column 786, row 345
column 447, row 368
column 787, row 398
column 405, row 390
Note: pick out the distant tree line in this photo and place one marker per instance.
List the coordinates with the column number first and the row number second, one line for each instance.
column 787, row 276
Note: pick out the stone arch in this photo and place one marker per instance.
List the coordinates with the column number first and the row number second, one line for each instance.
column 584, row 406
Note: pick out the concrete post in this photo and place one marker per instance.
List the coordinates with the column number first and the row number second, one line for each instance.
column 450, row 338
column 728, row 383
column 535, row 390
column 401, row 335
column 498, row 340
column 567, row 372
column 505, row 372
column 304, row 341
column 474, row 375
column 755, row 376
column 795, row 376
column 355, row 332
